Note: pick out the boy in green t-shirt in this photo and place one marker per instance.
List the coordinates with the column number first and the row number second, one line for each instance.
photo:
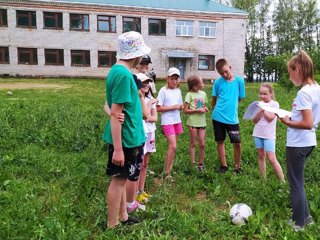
column 125, row 139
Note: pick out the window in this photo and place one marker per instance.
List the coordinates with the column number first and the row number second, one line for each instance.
column 27, row 56
column 184, row 28
column 4, row 55
column 26, row 19
column 157, row 27
column 131, row 24
column 207, row 29
column 106, row 23
column 52, row 20
column 80, row 58
column 53, row 56
column 79, row 22
column 3, row 18
column 206, row 62
column 106, row 59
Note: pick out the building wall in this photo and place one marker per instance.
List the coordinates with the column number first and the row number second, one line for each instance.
column 228, row 43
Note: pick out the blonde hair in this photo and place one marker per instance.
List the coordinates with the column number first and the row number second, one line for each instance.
column 303, row 61
column 192, row 81
column 270, row 88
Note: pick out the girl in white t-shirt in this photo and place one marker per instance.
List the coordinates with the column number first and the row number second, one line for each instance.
column 150, row 129
column 264, row 132
column 301, row 135
column 169, row 104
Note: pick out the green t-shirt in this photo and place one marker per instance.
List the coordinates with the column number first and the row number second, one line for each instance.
column 122, row 89
column 196, row 100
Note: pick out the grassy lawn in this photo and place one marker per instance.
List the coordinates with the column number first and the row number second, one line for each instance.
column 53, row 182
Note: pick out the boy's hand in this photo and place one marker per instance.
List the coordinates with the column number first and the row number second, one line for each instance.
column 118, row 158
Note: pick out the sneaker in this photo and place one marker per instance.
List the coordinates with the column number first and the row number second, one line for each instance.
column 141, row 207
column 223, row 169
column 146, row 195
column 169, row 179
column 201, row 167
column 141, row 198
column 133, row 207
column 298, row 228
column 308, row 221
column 131, row 221
column 237, row 170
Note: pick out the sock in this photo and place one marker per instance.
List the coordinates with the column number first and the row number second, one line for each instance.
column 129, row 205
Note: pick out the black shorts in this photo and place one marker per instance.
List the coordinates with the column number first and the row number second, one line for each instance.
column 220, row 130
column 132, row 163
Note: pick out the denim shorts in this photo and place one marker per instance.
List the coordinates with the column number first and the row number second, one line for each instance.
column 269, row 145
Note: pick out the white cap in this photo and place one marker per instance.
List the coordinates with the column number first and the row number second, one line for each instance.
column 142, row 77
column 173, row 71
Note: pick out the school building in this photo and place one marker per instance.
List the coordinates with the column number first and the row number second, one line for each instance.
column 78, row 38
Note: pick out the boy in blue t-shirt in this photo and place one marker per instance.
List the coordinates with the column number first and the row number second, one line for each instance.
column 227, row 91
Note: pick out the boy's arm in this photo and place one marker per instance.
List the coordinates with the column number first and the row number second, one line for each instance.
column 107, row 109
column 116, row 127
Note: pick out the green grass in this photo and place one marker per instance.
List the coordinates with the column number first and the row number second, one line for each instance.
column 53, row 183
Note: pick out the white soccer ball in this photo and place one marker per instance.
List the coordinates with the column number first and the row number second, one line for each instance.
column 239, row 213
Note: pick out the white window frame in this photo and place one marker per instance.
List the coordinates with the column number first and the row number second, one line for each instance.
column 207, row 29
column 184, row 28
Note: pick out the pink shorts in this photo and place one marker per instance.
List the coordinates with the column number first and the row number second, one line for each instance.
column 172, row 129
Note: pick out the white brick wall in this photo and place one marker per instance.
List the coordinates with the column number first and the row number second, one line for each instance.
column 228, row 43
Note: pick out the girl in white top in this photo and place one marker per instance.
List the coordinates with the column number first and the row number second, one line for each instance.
column 150, row 129
column 169, row 104
column 264, row 132
column 301, row 134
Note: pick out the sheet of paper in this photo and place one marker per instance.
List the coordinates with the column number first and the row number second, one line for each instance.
column 251, row 110
column 280, row 112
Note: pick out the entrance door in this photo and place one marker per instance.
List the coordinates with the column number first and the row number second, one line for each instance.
column 181, row 65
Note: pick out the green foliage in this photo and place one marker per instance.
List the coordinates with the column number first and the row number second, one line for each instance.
column 53, row 183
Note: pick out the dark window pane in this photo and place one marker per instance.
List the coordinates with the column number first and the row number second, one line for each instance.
column 4, row 55
column 27, row 56
column 52, row 20
column 3, row 17
column 54, row 57
column 106, row 59
column 131, row 24
column 80, row 57
column 26, row 19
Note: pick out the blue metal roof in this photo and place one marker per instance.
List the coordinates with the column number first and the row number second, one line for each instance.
column 208, row 6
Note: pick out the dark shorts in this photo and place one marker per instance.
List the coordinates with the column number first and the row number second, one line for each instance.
column 132, row 163
column 220, row 130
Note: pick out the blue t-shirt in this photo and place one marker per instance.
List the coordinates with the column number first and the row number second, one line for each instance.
column 228, row 95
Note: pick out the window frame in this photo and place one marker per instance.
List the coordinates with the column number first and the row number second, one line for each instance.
column 109, row 22
column 79, row 16
column 57, row 53
column 4, row 51
column 136, row 22
column 3, row 18
column 211, row 62
column 160, row 24
column 213, row 29
column 31, row 15
column 184, row 28
column 83, row 54
column 111, row 55
column 55, row 16
column 33, row 55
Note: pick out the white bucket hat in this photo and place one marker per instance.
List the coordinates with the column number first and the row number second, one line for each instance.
column 131, row 45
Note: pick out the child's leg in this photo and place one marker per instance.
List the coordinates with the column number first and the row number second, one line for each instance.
column 193, row 138
column 201, row 140
column 143, row 172
column 262, row 161
column 115, row 193
column 131, row 187
column 237, row 155
column 172, row 147
column 222, row 154
column 275, row 165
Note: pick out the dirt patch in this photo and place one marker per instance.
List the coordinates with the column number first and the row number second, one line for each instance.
column 11, row 86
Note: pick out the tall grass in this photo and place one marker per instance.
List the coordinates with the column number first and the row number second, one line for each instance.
column 53, row 182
